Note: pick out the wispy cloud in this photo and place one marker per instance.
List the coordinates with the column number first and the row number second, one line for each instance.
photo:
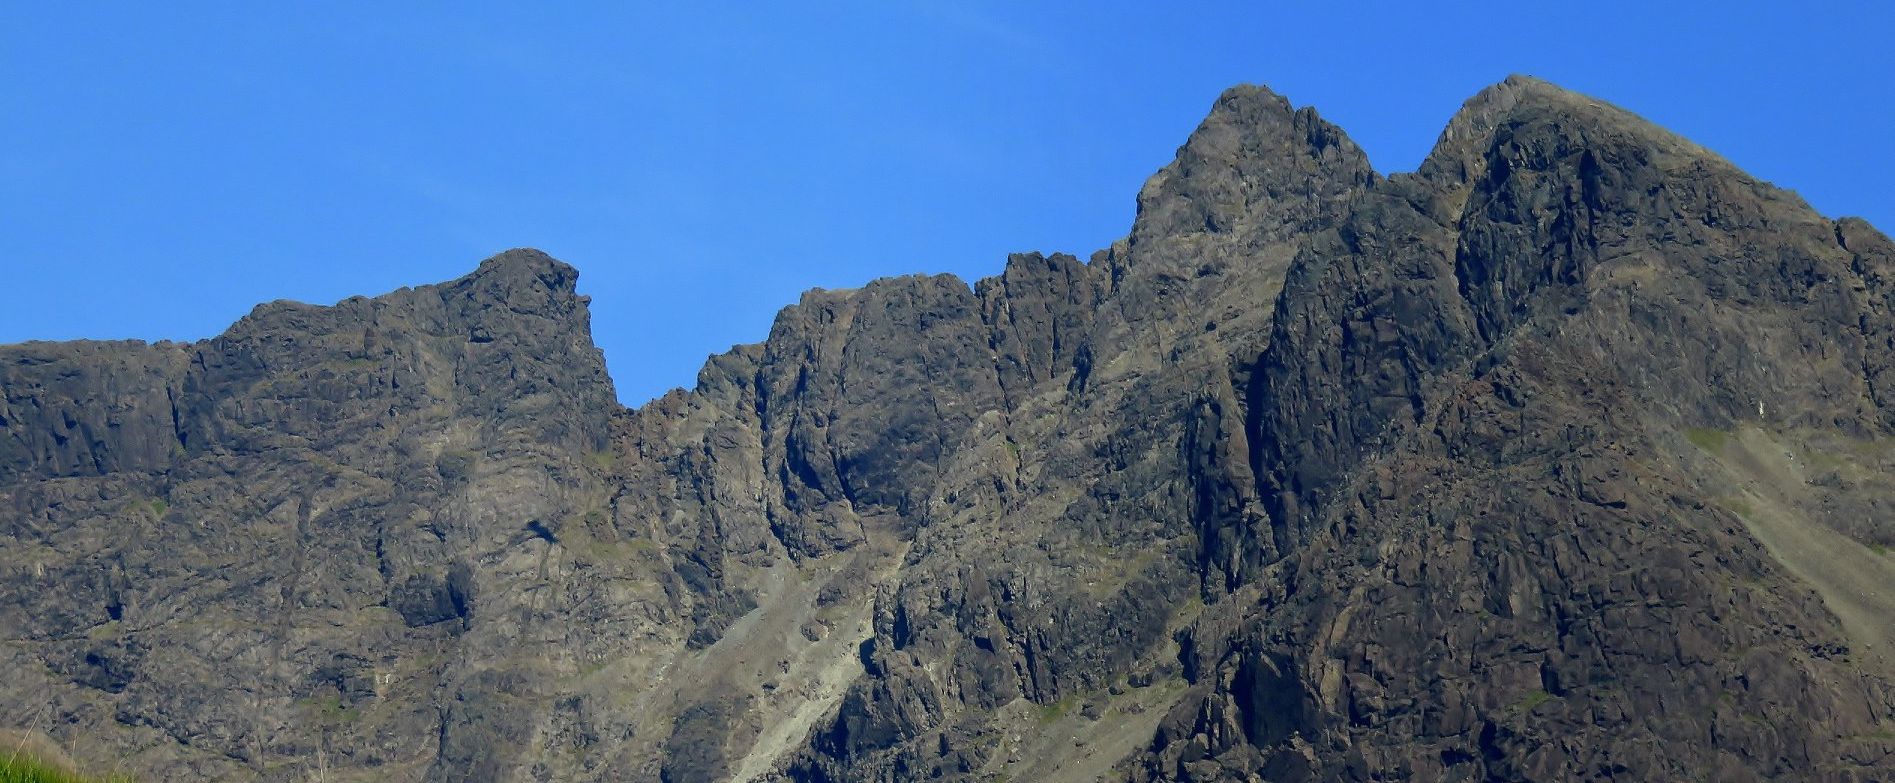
column 981, row 24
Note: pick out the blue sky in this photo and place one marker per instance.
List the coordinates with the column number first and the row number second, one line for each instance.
column 164, row 167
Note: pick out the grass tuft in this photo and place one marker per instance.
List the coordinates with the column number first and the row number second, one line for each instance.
column 1534, row 699
column 330, row 709
column 1707, row 439
column 16, row 768
column 1049, row 713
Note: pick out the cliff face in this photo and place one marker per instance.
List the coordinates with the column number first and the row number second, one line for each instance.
column 1567, row 456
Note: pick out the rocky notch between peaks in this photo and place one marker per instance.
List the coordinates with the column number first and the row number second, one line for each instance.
column 1567, row 456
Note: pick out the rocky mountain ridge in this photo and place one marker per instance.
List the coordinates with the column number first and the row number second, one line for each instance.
column 1566, row 456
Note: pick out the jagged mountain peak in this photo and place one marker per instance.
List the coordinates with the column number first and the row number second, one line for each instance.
column 1566, row 457
column 1522, row 103
column 1254, row 157
column 526, row 267
column 522, row 257
column 525, row 280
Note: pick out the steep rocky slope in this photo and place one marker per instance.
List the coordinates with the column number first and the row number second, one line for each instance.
column 1567, row 456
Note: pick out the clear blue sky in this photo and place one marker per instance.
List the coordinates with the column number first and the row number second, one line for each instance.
column 166, row 166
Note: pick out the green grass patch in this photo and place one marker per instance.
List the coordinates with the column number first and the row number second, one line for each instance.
column 1707, row 439
column 1532, row 700
column 1737, row 506
column 1824, row 460
column 1873, row 449
column 16, row 768
column 330, row 709
column 613, row 551
column 153, row 508
column 1049, row 713
column 603, row 460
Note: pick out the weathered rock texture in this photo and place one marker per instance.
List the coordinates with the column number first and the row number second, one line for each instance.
column 1569, row 456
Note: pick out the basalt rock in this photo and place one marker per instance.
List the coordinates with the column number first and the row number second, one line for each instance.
column 1567, row 456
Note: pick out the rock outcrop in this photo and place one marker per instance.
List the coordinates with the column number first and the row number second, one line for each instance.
column 1567, row 456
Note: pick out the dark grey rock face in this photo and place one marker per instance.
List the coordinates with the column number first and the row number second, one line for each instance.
column 77, row 409
column 1568, row 456
column 1502, row 564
